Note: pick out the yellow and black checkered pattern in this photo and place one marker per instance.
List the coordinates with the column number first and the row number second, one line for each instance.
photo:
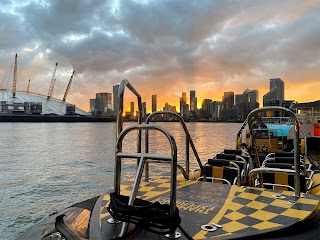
column 249, row 210
column 242, row 211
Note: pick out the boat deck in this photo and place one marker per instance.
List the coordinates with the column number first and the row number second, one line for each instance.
column 242, row 211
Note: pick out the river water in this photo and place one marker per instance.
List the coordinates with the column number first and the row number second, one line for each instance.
column 45, row 167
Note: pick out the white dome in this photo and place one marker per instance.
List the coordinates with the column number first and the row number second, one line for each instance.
column 51, row 106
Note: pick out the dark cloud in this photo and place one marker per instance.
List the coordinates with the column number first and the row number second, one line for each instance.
column 166, row 46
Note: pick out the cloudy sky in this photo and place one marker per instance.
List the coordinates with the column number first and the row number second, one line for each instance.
column 162, row 47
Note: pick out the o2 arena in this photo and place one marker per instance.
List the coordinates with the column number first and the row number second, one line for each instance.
column 25, row 106
column 13, row 102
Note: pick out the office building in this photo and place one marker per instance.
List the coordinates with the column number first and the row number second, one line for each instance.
column 103, row 104
column 115, row 99
column 144, row 110
column 92, row 105
column 207, row 108
column 228, row 100
column 193, row 101
column 132, row 108
column 183, row 105
column 275, row 97
column 216, row 110
column 253, row 98
column 154, row 103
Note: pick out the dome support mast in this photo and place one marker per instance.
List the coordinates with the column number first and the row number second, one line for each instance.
column 68, row 87
column 53, row 80
column 14, row 88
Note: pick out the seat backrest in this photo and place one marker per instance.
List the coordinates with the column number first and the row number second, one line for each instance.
column 232, row 151
column 226, row 156
column 282, row 181
column 220, row 171
column 284, row 154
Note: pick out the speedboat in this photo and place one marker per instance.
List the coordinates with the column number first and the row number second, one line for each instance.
column 258, row 190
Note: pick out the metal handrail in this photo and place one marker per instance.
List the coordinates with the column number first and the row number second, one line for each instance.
column 188, row 141
column 255, row 171
column 123, row 84
column 295, row 139
column 143, row 160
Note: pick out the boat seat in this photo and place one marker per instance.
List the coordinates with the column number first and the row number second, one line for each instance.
column 238, row 152
column 288, row 157
column 221, row 171
column 232, row 151
column 282, row 180
column 239, row 160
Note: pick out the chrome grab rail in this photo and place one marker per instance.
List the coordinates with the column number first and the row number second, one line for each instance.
column 144, row 158
column 295, row 140
column 123, row 84
column 188, row 141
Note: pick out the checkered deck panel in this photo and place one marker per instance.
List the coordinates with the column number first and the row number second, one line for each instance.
column 249, row 210
column 245, row 211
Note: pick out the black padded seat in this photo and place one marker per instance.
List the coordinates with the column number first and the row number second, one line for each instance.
column 284, row 154
column 279, row 165
column 233, row 151
column 226, row 156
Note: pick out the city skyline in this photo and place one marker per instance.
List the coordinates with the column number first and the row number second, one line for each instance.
column 160, row 46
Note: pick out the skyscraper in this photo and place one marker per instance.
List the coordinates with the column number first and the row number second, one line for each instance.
column 103, row 103
column 154, row 103
column 228, row 100
column 193, row 101
column 275, row 97
column 115, row 99
column 132, row 108
column 183, row 102
column 253, row 98
column 92, row 105
column 144, row 110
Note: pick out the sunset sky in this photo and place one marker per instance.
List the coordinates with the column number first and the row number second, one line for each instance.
column 162, row 47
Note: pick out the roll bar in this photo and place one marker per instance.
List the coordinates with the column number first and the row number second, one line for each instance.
column 295, row 139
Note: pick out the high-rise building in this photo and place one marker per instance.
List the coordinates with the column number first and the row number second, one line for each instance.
column 183, row 102
column 103, row 104
column 115, row 98
column 275, row 97
column 132, row 108
column 216, row 114
column 242, row 105
column 207, row 108
column 92, row 105
column 253, row 98
column 184, row 97
column 154, row 103
column 193, row 101
column 166, row 107
column 228, row 100
column 144, row 110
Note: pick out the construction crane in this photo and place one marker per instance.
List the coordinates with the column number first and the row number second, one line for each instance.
column 68, row 87
column 14, row 89
column 53, row 80
column 28, row 89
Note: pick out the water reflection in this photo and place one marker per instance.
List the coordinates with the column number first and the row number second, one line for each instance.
column 48, row 166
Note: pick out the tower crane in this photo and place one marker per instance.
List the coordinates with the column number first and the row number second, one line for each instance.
column 68, row 87
column 53, row 80
column 14, row 89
